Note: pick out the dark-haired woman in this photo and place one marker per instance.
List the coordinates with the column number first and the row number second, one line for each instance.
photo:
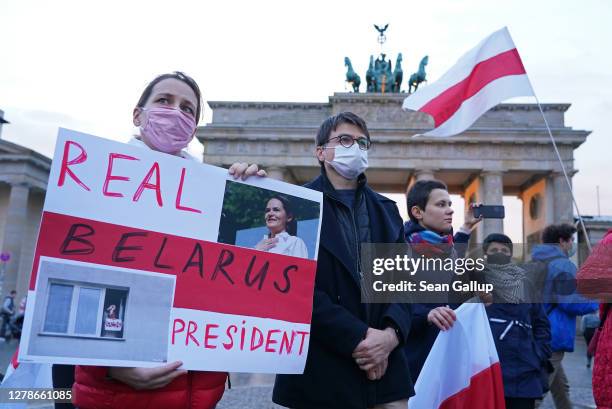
column 167, row 115
column 282, row 227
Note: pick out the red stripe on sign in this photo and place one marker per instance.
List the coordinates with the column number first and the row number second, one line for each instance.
column 209, row 276
column 14, row 359
column 486, row 391
column 448, row 102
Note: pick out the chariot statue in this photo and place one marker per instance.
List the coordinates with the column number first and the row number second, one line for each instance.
column 381, row 76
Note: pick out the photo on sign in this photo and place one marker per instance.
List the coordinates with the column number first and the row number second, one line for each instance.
column 268, row 220
column 100, row 313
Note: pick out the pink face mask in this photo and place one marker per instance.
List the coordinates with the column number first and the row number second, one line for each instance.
column 169, row 130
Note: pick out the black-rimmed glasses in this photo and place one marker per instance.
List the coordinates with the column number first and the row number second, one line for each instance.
column 347, row 141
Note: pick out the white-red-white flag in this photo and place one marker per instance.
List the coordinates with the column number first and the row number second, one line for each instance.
column 21, row 376
column 26, row 375
column 485, row 76
column 462, row 370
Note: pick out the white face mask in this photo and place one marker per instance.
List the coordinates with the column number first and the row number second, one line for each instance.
column 349, row 162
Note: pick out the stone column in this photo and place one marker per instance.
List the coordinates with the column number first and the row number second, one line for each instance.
column 472, row 192
column 420, row 174
column 562, row 204
column 16, row 219
column 492, row 194
column 279, row 173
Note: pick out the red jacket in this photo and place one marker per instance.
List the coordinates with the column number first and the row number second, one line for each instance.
column 194, row 390
column 602, row 368
column 594, row 280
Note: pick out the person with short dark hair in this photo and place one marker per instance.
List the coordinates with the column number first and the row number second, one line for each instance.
column 562, row 308
column 355, row 359
column 520, row 328
column 430, row 233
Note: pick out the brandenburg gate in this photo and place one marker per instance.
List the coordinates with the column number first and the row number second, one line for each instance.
column 506, row 152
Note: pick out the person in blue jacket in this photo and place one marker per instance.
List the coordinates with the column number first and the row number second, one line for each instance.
column 557, row 248
column 520, row 329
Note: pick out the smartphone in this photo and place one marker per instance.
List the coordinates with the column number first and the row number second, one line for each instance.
column 489, row 211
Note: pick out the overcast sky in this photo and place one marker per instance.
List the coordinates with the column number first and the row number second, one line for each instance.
column 83, row 64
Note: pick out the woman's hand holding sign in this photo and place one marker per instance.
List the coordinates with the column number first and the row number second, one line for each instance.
column 147, row 378
column 245, row 170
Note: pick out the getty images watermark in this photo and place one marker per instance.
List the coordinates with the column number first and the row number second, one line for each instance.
column 428, row 273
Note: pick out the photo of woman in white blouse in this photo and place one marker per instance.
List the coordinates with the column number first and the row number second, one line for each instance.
column 282, row 227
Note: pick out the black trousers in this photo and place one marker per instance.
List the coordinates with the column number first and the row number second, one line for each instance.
column 63, row 377
column 520, row 403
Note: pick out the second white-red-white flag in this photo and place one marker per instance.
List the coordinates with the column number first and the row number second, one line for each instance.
column 462, row 370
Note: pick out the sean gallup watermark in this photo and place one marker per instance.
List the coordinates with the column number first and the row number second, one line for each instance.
column 443, row 273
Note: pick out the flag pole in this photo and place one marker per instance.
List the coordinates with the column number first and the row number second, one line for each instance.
column 567, row 180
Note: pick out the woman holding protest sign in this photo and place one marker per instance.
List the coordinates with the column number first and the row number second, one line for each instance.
column 167, row 115
column 282, row 227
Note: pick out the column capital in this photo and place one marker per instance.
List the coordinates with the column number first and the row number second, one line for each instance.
column 559, row 174
column 492, row 172
column 20, row 184
column 425, row 173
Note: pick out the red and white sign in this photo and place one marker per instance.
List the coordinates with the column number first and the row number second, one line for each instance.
column 113, row 324
column 485, row 76
column 126, row 208
column 462, row 370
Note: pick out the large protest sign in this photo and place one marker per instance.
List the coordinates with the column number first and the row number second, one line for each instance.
column 143, row 258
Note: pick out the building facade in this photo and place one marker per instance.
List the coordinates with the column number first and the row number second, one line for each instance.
column 506, row 152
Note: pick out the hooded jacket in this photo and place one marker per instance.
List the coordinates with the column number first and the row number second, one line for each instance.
column 562, row 310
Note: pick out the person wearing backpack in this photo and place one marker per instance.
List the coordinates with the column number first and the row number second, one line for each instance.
column 562, row 308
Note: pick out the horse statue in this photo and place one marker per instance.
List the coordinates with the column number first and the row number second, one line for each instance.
column 398, row 74
column 370, row 76
column 419, row 76
column 351, row 76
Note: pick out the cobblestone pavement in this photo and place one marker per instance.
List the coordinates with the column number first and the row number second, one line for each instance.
column 254, row 391
column 579, row 376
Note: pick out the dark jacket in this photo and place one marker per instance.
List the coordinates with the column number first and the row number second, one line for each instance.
column 331, row 378
column 423, row 334
column 523, row 351
column 563, row 309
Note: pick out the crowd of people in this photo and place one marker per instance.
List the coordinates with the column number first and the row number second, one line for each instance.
column 368, row 355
